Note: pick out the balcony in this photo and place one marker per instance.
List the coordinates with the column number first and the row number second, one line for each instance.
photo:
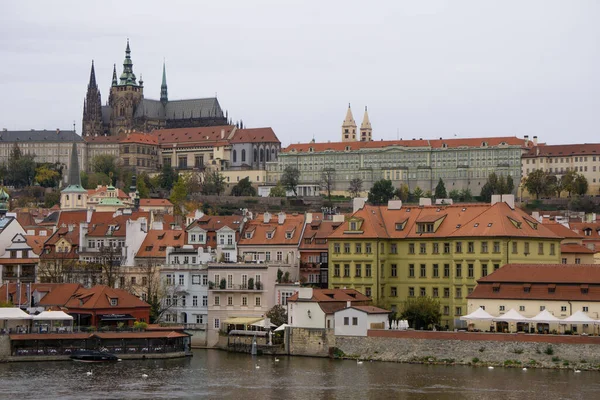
column 227, row 246
column 238, row 288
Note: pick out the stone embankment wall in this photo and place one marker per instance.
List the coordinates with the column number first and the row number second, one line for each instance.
column 4, row 347
column 310, row 342
column 540, row 351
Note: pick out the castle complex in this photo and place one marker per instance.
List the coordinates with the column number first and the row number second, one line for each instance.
column 128, row 110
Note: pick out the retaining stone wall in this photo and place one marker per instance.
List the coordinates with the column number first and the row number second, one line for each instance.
column 312, row 342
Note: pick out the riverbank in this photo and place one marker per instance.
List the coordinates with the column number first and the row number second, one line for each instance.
column 451, row 348
column 475, row 349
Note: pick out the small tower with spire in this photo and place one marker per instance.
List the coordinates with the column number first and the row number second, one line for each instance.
column 74, row 196
column 366, row 132
column 125, row 95
column 92, row 108
column 349, row 127
column 164, row 96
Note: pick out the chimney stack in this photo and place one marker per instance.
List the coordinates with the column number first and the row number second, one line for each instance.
column 222, row 133
column 535, row 140
column 526, row 140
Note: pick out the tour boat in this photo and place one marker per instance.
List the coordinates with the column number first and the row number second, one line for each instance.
column 92, row 356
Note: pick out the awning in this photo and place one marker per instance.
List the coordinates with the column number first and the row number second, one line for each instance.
column 14, row 313
column 242, row 320
column 52, row 316
column 116, row 317
column 264, row 324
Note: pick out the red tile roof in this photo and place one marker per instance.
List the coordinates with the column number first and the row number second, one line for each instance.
column 155, row 203
column 317, row 231
column 292, row 224
column 564, row 282
column 36, row 243
column 371, row 309
column 564, row 150
column 212, row 223
column 255, row 135
column 459, row 220
column 96, row 297
column 333, row 295
column 575, row 248
column 207, row 136
column 59, row 293
column 433, row 144
column 156, row 242
column 71, row 217
column 102, row 139
column 561, row 230
column 40, row 287
column 581, row 227
column 141, row 138
column 102, row 191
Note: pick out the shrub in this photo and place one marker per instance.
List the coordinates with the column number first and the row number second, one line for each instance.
column 556, row 359
column 481, row 349
column 251, row 283
column 584, row 361
column 518, row 351
column 475, row 360
column 223, row 284
column 549, row 350
column 566, row 363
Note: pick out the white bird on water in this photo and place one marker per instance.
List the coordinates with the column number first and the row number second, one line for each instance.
column 276, row 359
column 577, row 371
column 144, row 376
column 524, row 369
column 257, row 366
column 490, row 367
column 358, row 362
column 89, row 373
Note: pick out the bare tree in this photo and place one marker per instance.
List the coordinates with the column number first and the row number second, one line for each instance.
column 155, row 290
column 110, row 258
column 356, row 186
column 328, row 181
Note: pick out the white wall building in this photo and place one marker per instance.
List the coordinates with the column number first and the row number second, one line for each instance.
column 357, row 320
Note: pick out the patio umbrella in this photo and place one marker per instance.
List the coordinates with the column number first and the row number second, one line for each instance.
column 545, row 317
column 478, row 315
column 281, row 327
column 512, row 316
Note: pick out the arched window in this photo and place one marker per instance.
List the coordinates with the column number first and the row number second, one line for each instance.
column 268, row 155
column 255, row 155
column 262, row 155
column 243, row 155
column 234, row 156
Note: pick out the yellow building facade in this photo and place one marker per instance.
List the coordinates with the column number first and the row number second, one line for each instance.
column 394, row 254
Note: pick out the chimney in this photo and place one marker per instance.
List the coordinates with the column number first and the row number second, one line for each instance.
column 535, row 140
column 526, row 140
column 281, row 218
column 348, row 304
column 358, row 203
column 394, row 204
column 222, row 133
column 57, row 131
column 496, row 198
column 266, row 217
column 308, row 217
column 424, row 201
column 70, row 227
column 509, row 199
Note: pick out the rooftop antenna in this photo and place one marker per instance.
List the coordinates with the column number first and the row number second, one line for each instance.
column 74, row 127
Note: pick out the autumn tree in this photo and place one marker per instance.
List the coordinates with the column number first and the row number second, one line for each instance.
column 403, row 192
column 213, row 183
column 46, row 177
column 277, row 190
column 106, row 164
column 290, row 179
column 278, row 315
column 356, row 187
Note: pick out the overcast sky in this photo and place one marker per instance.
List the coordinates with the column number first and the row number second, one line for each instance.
column 425, row 69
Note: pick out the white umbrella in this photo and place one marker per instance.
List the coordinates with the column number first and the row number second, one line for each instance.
column 578, row 318
column 545, row 317
column 512, row 316
column 478, row 315
column 264, row 324
column 281, row 328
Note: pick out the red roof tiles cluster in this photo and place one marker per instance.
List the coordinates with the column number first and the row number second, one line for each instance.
column 564, row 150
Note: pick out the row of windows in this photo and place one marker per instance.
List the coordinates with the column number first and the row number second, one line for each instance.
column 175, row 301
column 542, row 308
column 562, row 160
column 436, row 247
column 435, row 292
column 437, row 270
column 244, row 302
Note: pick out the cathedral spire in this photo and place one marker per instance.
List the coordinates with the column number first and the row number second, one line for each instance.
column 74, row 177
column 164, row 97
column 115, row 82
column 92, row 77
column 349, row 127
column 127, row 77
column 92, row 107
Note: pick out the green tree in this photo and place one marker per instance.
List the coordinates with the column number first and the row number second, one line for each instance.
column 168, row 177
column 417, row 194
column 277, row 190
column 440, row 190
column 356, row 187
column 243, row 188
column 538, row 183
column 567, row 181
column 106, row 164
column 496, row 185
column 179, row 194
column 290, row 179
column 580, row 185
column 381, row 192
column 421, row 312
column 46, row 177
column 277, row 315
column 20, row 169
column 142, row 187
column 466, row 195
column 214, row 183
column 51, row 199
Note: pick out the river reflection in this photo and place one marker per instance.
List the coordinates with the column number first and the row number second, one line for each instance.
column 213, row 374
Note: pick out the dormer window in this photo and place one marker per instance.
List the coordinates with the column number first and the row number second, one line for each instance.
column 269, row 235
column 114, row 302
column 288, row 235
column 352, row 226
column 248, row 235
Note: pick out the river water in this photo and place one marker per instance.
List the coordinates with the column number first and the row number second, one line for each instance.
column 213, row 374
